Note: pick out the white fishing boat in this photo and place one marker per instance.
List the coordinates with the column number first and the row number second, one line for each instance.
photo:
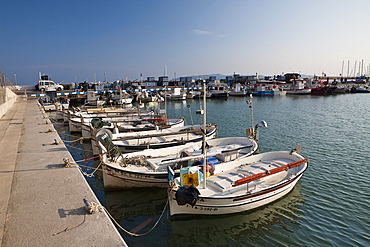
column 121, row 118
column 157, row 138
column 148, row 168
column 160, row 138
column 218, row 90
column 93, row 99
column 48, row 106
column 237, row 90
column 176, row 95
column 91, row 112
column 123, row 124
column 298, row 87
column 193, row 94
column 278, row 91
column 121, row 98
column 145, row 96
column 235, row 186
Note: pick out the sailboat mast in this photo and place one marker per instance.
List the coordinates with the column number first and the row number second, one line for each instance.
column 348, row 70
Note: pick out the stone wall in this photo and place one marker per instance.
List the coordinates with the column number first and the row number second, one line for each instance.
column 7, row 99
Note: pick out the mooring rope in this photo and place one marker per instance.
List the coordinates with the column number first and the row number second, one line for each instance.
column 78, row 139
column 82, row 149
column 131, row 233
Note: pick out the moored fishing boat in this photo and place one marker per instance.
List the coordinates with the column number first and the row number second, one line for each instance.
column 148, row 168
column 320, row 90
column 237, row 90
column 261, row 90
column 278, row 91
column 124, row 124
column 89, row 112
column 298, row 87
column 160, row 138
column 218, row 90
column 123, row 120
column 176, row 95
column 236, row 186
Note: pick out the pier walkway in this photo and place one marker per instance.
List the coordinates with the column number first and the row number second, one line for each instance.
column 41, row 201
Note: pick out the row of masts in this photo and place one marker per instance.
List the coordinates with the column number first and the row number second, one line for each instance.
column 360, row 69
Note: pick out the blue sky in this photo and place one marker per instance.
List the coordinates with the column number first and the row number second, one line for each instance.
column 83, row 39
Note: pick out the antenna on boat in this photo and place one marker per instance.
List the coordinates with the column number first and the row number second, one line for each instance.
column 253, row 132
column 250, row 132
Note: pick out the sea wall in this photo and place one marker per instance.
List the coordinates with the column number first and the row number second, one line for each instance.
column 7, row 99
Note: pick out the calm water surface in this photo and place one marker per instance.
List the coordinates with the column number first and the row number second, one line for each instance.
column 330, row 206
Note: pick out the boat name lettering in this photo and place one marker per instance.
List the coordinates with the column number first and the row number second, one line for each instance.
column 203, row 208
column 131, row 175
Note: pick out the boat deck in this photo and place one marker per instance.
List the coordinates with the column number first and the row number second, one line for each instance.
column 222, row 183
column 160, row 164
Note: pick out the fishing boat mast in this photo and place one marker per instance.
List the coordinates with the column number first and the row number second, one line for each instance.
column 204, row 136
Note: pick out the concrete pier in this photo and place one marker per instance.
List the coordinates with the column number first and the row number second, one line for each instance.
column 41, row 201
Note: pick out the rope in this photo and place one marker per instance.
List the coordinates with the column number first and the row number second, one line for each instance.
column 69, row 146
column 68, row 164
column 131, row 233
column 84, row 160
column 91, row 174
column 79, row 139
column 98, row 156
column 65, row 134
column 72, row 228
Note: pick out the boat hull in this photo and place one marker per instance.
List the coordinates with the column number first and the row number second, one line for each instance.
column 220, row 95
column 238, row 94
column 131, row 175
column 232, row 204
column 299, row 91
column 319, row 90
column 262, row 93
column 279, row 93
column 124, row 179
column 134, row 148
column 49, row 106
column 239, row 186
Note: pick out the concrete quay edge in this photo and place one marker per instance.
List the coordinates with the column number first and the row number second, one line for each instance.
column 41, row 201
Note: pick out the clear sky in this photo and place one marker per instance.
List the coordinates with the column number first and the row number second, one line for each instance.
column 78, row 40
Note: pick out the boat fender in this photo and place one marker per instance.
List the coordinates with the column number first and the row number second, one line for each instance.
column 187, row 195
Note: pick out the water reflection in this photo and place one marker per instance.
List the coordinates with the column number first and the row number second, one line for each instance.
column 248, row 228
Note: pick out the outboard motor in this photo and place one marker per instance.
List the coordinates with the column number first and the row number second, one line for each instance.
column 98, row 123
column 105, row 137
column 187, row 195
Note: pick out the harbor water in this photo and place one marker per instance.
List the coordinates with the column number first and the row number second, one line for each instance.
column 330, row 206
